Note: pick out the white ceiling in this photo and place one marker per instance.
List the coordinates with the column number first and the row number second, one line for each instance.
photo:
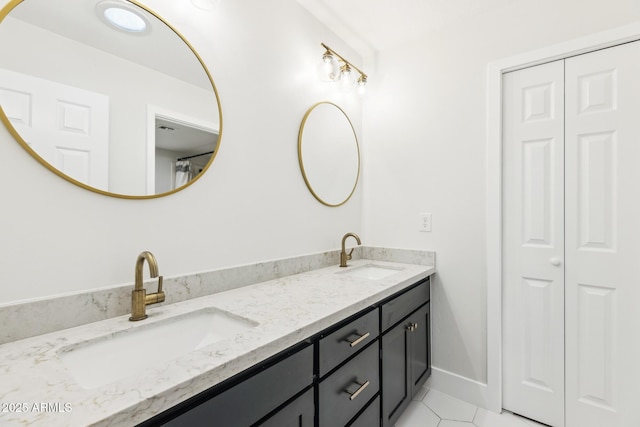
column 365, row 25
column 183, row 137
column 373, row 25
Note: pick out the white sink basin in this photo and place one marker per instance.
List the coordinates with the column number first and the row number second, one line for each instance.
column 110, row 358
column 370, row 271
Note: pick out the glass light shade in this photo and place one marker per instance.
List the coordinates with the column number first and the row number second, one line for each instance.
column 345, row 73
column 347, row 78
column 362, row 83
column 328, row 69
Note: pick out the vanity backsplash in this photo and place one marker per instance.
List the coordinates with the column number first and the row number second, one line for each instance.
column 24, row 320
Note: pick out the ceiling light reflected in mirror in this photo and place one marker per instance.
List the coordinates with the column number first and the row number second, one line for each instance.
column 122, row 17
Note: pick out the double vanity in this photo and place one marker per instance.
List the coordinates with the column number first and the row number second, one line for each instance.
column 306, row 341
column 340, row 346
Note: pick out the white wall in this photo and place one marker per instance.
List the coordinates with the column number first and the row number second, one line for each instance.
column 251, row 205
column 425, row 124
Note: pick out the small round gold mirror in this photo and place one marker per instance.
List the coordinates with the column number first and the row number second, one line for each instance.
column 329, row 154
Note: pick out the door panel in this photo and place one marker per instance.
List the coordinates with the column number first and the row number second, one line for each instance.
column 68, row 127
column 596, row 344
column 602, row 235
column 396, row 387
column 536, row 192
column 596, row 171
column 537, row 371
column 420, row 360
column 533, row 243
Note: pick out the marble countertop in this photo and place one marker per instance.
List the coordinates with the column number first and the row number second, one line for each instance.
column 36, row 388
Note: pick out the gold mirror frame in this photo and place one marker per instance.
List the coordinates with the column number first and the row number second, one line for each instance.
column 321, row 198
column 4, row 12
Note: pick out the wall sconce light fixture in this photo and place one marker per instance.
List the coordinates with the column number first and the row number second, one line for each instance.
column 337, row 68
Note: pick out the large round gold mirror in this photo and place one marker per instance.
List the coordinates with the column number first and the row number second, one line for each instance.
column 329, row 154
column 107, row 95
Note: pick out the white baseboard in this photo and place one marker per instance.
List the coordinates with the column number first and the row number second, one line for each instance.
column 460, row 387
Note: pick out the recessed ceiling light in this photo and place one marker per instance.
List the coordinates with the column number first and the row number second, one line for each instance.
column 122, row 16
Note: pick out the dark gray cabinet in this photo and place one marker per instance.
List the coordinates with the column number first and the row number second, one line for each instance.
column 299, row 413
column 405, row 355
column 337, row 346
column 419, row 349
column 244, row 403
column 349, row 370
column 361, row 372
column 395, row 390
column 370, row 417
column 399, row 307
column 345, row 392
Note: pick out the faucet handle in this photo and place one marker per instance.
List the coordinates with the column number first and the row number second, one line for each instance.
column 160, row 284
column 349, row 255
column 156, row 297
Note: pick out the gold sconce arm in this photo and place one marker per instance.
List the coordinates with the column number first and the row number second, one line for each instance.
column 345, row 69
column 342, row 58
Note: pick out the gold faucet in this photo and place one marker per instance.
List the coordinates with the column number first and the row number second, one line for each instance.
column 344, row 256
column 139, row 297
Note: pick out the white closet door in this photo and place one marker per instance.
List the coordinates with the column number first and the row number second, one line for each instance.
column 533, row 243
column 603, row 238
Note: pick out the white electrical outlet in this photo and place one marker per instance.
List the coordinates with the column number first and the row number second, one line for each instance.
column 424, row 223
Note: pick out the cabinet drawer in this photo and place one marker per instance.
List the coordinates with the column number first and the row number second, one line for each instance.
column 298, row 413
column 247, row 402
column 345, row 392
column 349, row 339
column 401, row 306
column 370, row 417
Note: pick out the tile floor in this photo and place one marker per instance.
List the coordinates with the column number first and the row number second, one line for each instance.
column 431, row 408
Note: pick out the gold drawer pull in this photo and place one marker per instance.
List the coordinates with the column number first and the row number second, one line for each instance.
column 357, row 340
column 412, row 327
column 358, row 391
